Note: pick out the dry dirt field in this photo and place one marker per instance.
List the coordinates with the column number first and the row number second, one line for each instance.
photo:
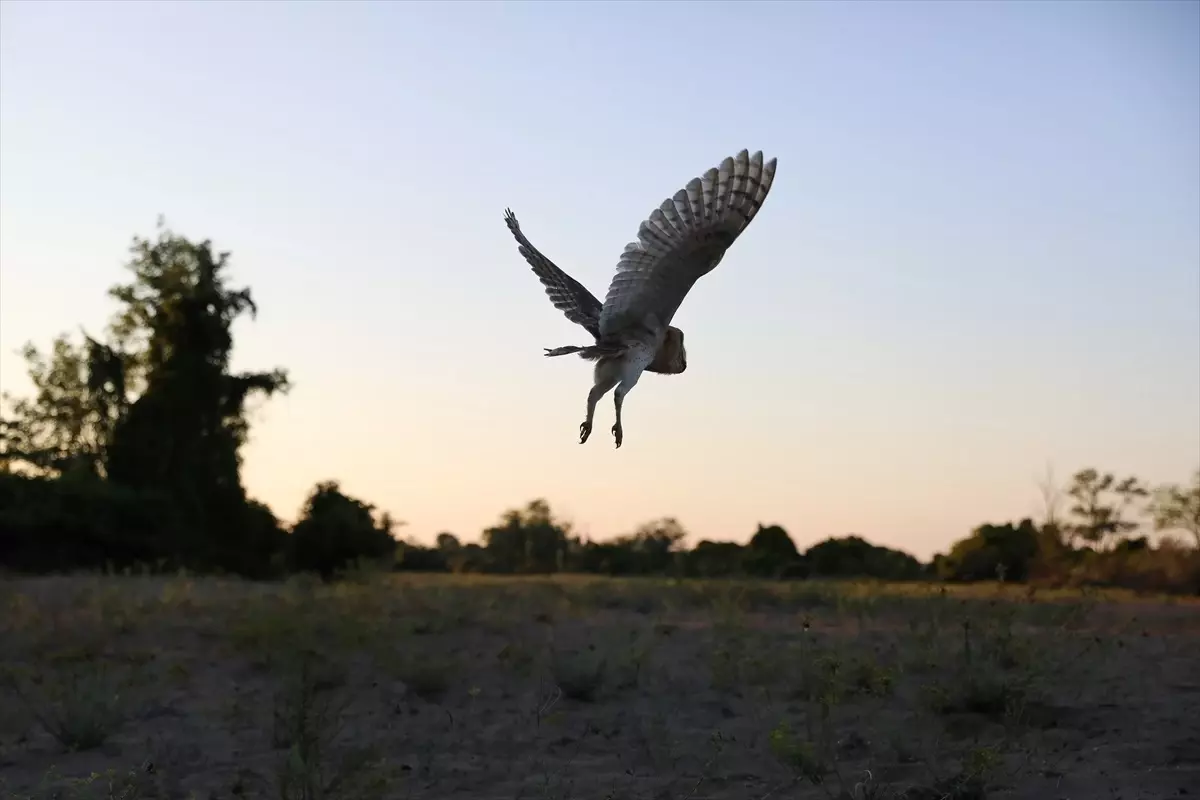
column 445, row 687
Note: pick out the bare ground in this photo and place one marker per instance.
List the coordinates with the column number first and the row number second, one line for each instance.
column 443, row 687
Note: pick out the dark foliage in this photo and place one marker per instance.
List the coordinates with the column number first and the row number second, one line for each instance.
column 652, row 550
column 182, row 434
column 772, row 553
column 853, row 556
column 1101, row 506
column 715, row 560
column 992, row 552
column 335, row 531
column 1177, row 508
column 80, row 522
column 154, row 412
column 527, row 541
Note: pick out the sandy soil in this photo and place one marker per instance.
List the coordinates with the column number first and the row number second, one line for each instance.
column 444, row 687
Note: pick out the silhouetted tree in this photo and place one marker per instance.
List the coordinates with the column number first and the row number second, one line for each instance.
column 652, row 547
column 854, row 557
column 448, row 543
column 81, row 522
column 771, row 552
column 527, row 541
column 156, row 410
column 335, row 530
column 79, row 397
column 471, row 558
column 993, row 552
column 1178, row 508
column 1102, row 505
column 715, row 560
column 458, row 557
column 263, row 548
column 182, row 434
column 602, row 558
column 413, row 556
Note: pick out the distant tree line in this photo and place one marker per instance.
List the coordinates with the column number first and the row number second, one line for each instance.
column 1096, row 531
column 532, row 541
column 127, row 455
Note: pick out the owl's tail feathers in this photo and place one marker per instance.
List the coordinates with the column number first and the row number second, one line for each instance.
column 589, row 353
column 562, row 351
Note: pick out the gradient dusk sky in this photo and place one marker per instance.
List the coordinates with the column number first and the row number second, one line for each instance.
column 981, row 253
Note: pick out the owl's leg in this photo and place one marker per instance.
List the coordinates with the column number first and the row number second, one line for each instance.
column 635, row 362
column 605, row 380
column 619, row 398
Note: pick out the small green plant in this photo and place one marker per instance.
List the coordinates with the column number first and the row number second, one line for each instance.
column 992, row 676
column 308, row 722
column 870, row 678
column 81, row 703
column 801, row 757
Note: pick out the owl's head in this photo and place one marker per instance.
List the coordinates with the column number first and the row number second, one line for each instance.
column 671, row 358
column 678, row 353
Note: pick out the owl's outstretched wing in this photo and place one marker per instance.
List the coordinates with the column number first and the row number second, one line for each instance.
column 568, row 295
column 683, row 240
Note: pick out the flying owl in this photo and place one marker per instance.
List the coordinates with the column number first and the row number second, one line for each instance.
column 683, row 240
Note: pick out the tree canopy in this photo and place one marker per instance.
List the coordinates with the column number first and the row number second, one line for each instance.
column 155, row 408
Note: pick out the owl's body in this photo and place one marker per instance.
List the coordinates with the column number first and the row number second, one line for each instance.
column 683, row 240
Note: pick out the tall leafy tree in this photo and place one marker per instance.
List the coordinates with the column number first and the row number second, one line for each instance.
column 992, row 552
column 653, row 545
column 183, row 432
column 66, row 426
column 156, row 408
column 771, row 551
column 528, row 540
column 335, row 529
column 852, row 556
column 1102, row 506
column 1178, row 508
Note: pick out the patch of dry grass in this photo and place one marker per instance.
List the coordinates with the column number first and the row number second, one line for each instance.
column 388, row 686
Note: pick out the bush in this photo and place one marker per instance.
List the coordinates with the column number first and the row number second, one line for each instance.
column 854, row 557
column 262, row 543
column 82, row 522
column 993, row 552
column 714, row 560
column 772, row 553
column 335, row 530
column 1171, row 567
column 414, row 557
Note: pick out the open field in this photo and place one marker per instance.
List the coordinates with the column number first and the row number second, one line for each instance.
column 444, row 687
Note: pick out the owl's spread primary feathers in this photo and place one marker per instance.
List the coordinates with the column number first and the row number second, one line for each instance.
column 681, row 241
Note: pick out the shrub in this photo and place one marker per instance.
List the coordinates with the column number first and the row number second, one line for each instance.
column 993, row 552
column 335, row 530
column 83, row 522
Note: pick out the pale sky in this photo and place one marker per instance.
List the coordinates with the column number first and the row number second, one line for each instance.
column 981, row 253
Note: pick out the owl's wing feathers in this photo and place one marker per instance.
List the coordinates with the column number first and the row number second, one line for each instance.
column 683, row 240
column 567, row 294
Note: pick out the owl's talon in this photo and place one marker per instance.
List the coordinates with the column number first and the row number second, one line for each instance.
column 617, row 434
column 585, row 430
